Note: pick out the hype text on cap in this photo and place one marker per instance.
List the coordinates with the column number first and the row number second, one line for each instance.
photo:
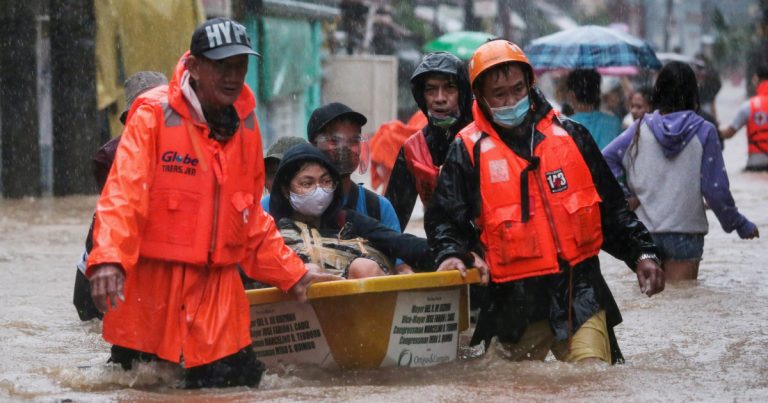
column 221, row 38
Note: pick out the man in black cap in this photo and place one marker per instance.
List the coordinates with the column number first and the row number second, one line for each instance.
column 335, row 129
column 179, row 214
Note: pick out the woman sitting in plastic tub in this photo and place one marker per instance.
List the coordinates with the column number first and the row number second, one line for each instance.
column 306, row 205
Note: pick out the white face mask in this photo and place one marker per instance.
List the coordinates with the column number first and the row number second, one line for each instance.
column 312, row 204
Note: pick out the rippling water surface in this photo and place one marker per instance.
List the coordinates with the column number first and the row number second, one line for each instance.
column 696, row 341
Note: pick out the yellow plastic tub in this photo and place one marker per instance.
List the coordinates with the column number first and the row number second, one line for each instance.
column 406, row 320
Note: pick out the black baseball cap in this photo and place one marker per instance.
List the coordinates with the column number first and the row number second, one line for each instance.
column 221, row 38
column 328, row 113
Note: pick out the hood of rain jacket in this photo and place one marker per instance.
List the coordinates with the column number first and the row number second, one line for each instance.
column 296, row 156
column 675, row 130
column 445, row 63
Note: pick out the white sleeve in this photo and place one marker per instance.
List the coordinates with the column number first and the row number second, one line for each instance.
column 740, row 120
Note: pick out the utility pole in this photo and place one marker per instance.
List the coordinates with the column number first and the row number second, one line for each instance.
column 75, row 115
column 668, row 24
column 503, row 7
column 18, row 99
column 471, row 23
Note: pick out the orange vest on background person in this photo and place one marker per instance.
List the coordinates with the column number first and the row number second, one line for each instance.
column 386, row 143
column 757, row 124
column 202, row 195
column 564, row 211
column 419, row 162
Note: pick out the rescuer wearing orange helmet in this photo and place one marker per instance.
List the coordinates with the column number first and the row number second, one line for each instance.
column 180, row 211
column 530, row 192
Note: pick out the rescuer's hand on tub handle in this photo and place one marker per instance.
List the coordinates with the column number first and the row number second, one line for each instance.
column 454, row 263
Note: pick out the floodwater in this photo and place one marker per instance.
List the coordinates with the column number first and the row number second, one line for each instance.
column 703, row 341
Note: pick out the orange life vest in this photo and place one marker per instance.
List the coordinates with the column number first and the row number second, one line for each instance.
column 202, row 193
column 757, row 125
column 563, row 213
column 419, row 162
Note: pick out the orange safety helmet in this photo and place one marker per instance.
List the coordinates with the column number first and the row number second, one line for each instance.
column 496, row 52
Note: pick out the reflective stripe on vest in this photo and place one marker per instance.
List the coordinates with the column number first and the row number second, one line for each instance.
column 564, row 211
column 419, row 162
column 757, row 125
column 202, row 192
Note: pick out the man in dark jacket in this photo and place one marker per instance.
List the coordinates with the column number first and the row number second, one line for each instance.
column 440, row 86
column 534, row 195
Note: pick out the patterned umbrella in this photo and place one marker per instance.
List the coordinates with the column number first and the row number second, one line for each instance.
column 461, row 44
column 590, row 47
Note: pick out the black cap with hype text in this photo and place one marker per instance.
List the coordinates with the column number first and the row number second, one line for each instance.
column 221, row 38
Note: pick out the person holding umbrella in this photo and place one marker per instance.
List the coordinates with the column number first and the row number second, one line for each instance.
column 532, row 194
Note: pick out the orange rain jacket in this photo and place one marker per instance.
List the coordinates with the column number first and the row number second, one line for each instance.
column 386, row 144
column 186, row 305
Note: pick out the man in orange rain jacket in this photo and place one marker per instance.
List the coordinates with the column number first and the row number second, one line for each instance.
column 180, row 210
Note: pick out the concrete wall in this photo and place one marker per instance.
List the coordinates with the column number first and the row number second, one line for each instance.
column 367, row 84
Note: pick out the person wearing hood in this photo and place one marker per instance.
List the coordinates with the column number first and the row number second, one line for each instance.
column 669, row 160
column 307, row 196
column 179, row 213
column 532, row 193
column 440, row 86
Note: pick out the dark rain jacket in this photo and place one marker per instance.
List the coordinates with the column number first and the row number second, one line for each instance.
column 509, row 307
column 401, row 190
column 338, row 220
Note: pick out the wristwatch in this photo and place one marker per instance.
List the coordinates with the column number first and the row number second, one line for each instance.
column 648, row 255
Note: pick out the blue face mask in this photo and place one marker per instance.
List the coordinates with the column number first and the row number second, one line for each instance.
column 511, row 116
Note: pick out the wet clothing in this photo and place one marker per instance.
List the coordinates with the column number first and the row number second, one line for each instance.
column 420, row 164
column 183, row 310
column 239, row 369
column 386, row 142
column 102, row 163
column 590, row 341
column 675, row 162
column 509, row 307
column 365, row 202
column 405, row 182
column 602, row 126
column 328, row 250
column 754, row 114
column 342, row 222
column 679, row 247
column 546, row 206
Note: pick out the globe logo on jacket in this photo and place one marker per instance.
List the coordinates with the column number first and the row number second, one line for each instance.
column 176, row 163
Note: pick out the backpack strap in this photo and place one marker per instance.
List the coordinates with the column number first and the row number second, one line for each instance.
column 372, row 204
